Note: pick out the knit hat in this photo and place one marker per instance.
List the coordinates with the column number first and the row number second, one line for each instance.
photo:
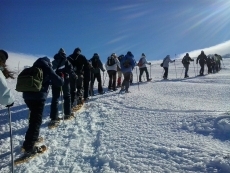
column 95, row 54
column 4, row 55
column 77, row 50
column 142, row 54
column 61, row 50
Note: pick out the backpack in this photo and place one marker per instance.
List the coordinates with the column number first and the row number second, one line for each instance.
column 140, row 62
column 126, row 63
column 30, row 79
column 111, row 61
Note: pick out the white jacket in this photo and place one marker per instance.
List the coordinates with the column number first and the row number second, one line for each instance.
column 6, row 97
column 113, row 67
column 166, row 61
column 144, row 62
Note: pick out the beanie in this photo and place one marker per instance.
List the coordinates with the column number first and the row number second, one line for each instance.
column 5, row 55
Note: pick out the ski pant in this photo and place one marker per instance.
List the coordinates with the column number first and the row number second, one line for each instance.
column 36, row 108
column 142, row 70
column 86, row 88
column 119, row 74
column 56, row 92
column 186, row 66
column 112, row 79
column 76, row 84
column 98, row 77
column 126, row 80
column 166, row 72
column 201, row 68
column 131, row 78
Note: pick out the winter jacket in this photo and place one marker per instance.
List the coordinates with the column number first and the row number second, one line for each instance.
column 97, row 64
column 166, row 61
column 78, row 62
column 49, row 77
column 61, row 64
column 202, row 58
column 144, row 62
column 127, row 59
column 186, row 60
column 113, row 67
column 6, row 97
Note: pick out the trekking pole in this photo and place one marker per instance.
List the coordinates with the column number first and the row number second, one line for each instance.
column 182, row 72
column 175, row 69
column 223, row 63
column 91, row 84
column 194, row 68
column 11, row 142
column 62, row 107
column 137, row 80
column 150, row 71
column 104, row 78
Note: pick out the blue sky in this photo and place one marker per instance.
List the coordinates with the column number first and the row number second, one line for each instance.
column 153, row 27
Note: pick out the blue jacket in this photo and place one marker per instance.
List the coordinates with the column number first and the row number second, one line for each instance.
column 128, row 58
column 49, row 77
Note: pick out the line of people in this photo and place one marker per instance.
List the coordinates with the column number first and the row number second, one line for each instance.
column 74, row 77
column 213, row 63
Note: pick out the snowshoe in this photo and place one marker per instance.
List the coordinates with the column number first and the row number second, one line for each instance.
column 69, row 117
column 53, row 123
column 149, row 79
column 39, row 140
column 28, row 155
column 77, row 107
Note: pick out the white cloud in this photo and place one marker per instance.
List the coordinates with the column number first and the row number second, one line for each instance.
column 221, row 49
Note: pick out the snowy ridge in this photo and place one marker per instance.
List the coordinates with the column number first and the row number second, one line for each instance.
column 180, row 125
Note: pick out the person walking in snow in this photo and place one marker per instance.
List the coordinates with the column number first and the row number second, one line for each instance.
column 202, row 58
column 186, row 61
column 35, row 101
column 97, row 65
column 61, row 66
column 119, row 73
column 78, row 62
column 6, row 97
column 127, row 64
column 165, row 65
column 143, row 68
column 111, row 66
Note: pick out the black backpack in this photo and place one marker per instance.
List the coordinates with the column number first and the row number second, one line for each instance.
column 111, row 61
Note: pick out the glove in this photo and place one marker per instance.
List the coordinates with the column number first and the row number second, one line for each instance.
column 61, row 74
column 150, row 63
column 174, row 60
column 7, row 106
column 103, row 70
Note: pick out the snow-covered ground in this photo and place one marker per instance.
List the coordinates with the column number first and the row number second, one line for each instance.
column 175, row 126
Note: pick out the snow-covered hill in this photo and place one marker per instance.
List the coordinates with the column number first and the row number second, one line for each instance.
column 179, row 125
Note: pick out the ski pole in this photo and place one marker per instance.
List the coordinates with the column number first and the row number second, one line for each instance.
column 182, row 72
column 175, row 69
column 194, row 68
column 137, row 80
column 223, row 63
column 11, row 142
column 150, row 71
column 104, row 78
column 62, row 108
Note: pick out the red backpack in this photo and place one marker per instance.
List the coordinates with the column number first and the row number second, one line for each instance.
column 140, row 63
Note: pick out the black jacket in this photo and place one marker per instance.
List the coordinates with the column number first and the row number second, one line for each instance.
column 202, row 58
column 78, row 62
column 61, row 64
column 49, row 77
column 97, row 64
